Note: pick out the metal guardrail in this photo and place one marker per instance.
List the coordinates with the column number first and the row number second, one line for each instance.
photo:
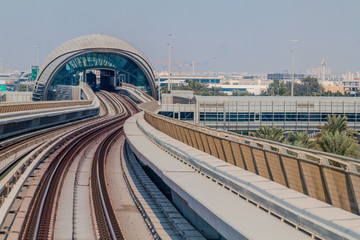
column 327, row 177
column 19, row 107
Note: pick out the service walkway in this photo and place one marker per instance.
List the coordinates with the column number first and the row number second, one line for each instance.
column 202, row 201
column 219, row 197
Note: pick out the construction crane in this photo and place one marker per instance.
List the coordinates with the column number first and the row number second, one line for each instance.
column 187, row 64
column 180, row 65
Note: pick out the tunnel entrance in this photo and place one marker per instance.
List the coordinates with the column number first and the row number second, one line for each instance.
column 100, row 70
column 106, row 79
column 116, row 60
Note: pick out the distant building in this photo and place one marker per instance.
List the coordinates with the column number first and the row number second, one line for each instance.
column 318, row 71
column 334, row 89
column 180, row 80
column 351, row 85
column 255, row 89
column 251, row 112
column 285, row 76
column 348, row 76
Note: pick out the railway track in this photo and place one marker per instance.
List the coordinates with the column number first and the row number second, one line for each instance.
column 15, row 149
column 107, row 224
column 39, row 220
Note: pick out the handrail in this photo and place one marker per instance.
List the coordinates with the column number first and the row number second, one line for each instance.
column 326, row 177
column 20, row 107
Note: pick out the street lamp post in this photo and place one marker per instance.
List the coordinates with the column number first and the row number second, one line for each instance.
column 169, row 79
column 293, row 62
column 159, row 88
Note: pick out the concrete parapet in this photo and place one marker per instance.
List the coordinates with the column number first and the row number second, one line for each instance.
column 317, row 174
column 305, row 213
column 24, row 117
column 214, row 210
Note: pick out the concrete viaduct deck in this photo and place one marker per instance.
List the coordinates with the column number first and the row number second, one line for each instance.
column 216, row 179
column 228, row 185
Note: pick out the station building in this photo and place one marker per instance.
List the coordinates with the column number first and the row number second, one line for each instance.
column 117, row 60
column 285, row 76
column 250, row 112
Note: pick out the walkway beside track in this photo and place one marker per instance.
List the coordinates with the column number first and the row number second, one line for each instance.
column 330, row 178
column 213, row 209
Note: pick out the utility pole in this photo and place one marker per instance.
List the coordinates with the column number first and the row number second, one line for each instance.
column 169, row 79
column 323, row 63
column 193, row 66
column 293, row 62
column 159, row 89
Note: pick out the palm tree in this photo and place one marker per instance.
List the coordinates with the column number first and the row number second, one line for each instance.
column 274, row 133
column 277, row 88
column 196, row 86
column 300, row 139
column 337, row 123
column 339, row 143
column 217, row 91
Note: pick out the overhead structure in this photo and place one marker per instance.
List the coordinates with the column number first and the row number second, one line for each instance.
column 115, row 58
column 323, row 63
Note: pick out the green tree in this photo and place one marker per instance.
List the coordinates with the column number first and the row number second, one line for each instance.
column 300, row 139
column 336, row 137
column 22, row 88
column 338, row 143
column 277, row 88
column 164, row 89
column 333, row 94
column 241, row 93
column 217, row 91
column 309, row 86
column 195, row 86
column 337, row 123
column 274, row 133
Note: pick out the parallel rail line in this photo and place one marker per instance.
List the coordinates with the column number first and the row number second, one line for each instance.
column 40, row 217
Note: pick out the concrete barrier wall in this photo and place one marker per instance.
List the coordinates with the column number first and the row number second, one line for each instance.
column 20, row 107
column 14, row 126
column 18, row 96
column 326, row 177
column 19, row 118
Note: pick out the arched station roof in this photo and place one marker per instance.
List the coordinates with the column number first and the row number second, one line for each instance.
column 94, row 51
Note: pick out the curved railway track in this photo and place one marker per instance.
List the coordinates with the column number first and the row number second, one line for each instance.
column 107, row 224
column 39, row 220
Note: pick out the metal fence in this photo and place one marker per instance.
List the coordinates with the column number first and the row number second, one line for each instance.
column 326, row 177
column 19, row 107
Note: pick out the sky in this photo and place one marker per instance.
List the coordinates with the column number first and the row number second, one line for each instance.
column 229, row 35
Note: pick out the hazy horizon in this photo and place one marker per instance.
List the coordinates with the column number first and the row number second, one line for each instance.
column 244, row 36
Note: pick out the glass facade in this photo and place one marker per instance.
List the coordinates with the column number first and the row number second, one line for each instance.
column 271, row 117
column 69, row 73
column 185, row 116
column 249, row 113
column 288, row 112
column 284, row 76
column 205, row 80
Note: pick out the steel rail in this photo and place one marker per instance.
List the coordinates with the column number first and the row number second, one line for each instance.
column 62, row 164
column 100, row 190
column 70, row 150
column 106, row 221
